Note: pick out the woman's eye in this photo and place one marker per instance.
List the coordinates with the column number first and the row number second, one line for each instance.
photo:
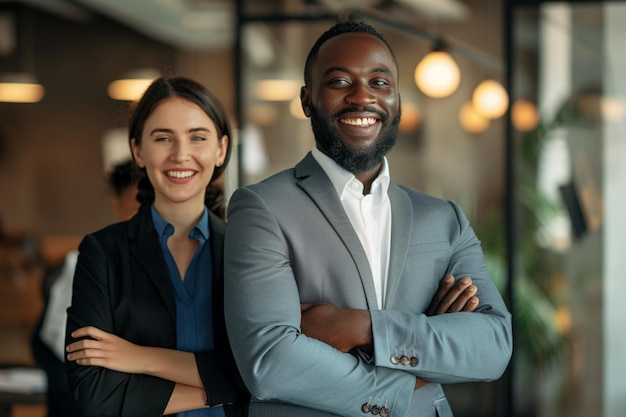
column 162, row 139
column 198, row 138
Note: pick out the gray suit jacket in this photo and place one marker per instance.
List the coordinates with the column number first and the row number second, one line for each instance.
column 289, row 241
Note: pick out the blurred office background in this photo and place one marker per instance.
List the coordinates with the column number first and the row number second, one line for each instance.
column 527, row 133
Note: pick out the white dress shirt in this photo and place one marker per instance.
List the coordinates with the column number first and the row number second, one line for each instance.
column 53, row 326
column 369, row 214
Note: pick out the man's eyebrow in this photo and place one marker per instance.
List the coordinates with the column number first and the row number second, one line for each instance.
column 333, row 69
column 383, row 70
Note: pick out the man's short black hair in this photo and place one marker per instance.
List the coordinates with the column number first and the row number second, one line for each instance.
column 338, row 29
column 122, row 176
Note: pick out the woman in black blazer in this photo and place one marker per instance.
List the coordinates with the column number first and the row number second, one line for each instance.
column 145, row 330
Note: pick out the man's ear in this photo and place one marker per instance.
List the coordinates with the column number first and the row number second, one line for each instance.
column 305, row 100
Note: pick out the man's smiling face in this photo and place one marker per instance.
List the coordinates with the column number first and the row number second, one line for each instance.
column 353, row 100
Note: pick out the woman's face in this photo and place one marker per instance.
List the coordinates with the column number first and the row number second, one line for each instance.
column 179, row 148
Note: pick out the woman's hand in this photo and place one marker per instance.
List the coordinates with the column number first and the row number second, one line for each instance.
column 112, row 352
column 106, row 350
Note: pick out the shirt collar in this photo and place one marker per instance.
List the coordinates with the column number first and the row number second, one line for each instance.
column 341, row 178
column 164, row 228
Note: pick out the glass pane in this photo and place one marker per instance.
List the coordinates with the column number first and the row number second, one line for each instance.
column 566, row 63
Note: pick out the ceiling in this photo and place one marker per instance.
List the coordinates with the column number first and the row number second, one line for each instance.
column 210, row 24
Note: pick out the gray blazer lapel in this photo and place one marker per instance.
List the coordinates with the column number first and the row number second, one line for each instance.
column 314, row 181
column 401, row 231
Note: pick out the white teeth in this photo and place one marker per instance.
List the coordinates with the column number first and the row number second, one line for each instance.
column 179, row 174
column 364, row 121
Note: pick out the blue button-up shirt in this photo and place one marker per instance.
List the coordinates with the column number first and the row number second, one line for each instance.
column 194, row 315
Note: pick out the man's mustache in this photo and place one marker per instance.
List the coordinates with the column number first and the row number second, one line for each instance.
column 356, row 109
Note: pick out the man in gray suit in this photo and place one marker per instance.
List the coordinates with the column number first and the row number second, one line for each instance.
column 331, row 266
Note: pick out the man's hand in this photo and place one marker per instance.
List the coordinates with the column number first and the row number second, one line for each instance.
column 343, row 329
column 346, row 329
column 452, row 297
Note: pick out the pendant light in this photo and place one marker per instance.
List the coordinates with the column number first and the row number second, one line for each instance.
column 277, row 89
column 471, row 121
column 437, row 75
column 524, row 115
column 20, row 88
column 132, row 85
column 19, row 85
column 411, row 118
column 490, row 99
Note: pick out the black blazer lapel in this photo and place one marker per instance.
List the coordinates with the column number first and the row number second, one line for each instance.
column 146, row 251
column 217, row 229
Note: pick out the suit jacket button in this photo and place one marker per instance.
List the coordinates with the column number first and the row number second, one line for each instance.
column 366, row 407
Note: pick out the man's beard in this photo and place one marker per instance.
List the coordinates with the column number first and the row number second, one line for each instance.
column 353, row 160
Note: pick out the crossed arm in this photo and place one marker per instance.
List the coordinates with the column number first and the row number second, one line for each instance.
column 343, row 329
column 347, row 329
column 106, row 350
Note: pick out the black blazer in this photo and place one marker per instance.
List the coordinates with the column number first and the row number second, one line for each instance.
column 121, row 286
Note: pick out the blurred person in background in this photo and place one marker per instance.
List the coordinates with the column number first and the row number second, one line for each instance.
column 48, row 342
